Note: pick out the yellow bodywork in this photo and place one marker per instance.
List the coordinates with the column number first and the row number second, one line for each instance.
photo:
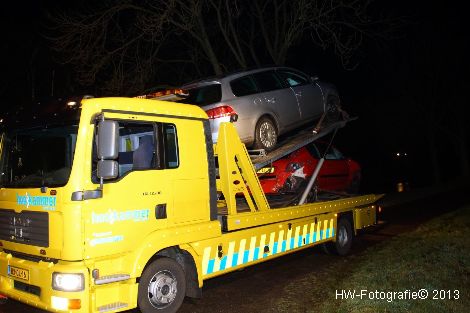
column 118, row 234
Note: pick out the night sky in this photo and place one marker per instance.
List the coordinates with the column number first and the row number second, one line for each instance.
column 403, row 85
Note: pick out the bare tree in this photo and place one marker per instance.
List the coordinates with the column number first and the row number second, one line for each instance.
column 124, row 43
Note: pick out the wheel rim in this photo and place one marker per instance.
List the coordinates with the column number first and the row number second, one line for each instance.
column 332, row 111
column 162, row 289
column 267, row 134
column 342, row 237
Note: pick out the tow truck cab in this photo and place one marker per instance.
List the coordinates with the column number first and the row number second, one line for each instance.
column 60, row 228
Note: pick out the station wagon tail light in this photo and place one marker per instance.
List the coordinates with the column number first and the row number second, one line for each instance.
column 221, row 111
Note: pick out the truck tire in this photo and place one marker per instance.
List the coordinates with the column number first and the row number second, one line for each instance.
column 344, row 238
column 162, row 287
column 265, row 134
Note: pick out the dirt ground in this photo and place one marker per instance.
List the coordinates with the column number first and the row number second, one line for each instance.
column 267, row 287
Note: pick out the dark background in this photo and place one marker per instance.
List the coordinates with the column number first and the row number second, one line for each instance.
column 409, row 89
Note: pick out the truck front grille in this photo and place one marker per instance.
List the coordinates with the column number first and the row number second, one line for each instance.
column 35, row 290
column 27, row 227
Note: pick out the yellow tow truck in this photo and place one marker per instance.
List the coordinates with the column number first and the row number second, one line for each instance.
column 117, row 203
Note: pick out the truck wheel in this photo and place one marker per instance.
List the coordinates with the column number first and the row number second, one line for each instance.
column 265, row 134
column 344, row 237
column 162, row 287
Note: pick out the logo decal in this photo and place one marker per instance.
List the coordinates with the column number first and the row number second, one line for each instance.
column 113, row 216
column 47, row 202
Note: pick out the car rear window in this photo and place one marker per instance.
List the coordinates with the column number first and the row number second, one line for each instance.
column 267, row 81
column 243, row 86
column 205, row 95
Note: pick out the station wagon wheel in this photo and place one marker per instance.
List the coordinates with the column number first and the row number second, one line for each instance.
column 332, row 109
column 265, row 134
column 162, row 287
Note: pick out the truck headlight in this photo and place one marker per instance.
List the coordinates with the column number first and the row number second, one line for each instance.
column 68, row 281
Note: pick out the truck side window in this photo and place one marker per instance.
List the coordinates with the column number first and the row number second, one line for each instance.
column 170, row 146
column 144, row 146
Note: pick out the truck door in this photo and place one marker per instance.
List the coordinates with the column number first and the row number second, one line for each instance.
column 136, row 202
column 162, row 181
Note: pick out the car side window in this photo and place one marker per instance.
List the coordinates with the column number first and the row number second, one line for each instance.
column 243, row 86
column 332, row 153
column 292, row 79
column 144, row 146
column 267, row 81
column 337, row 153
column 312, row 149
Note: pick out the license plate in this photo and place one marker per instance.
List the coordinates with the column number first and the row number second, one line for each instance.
column 18, row 272
column 266, row 170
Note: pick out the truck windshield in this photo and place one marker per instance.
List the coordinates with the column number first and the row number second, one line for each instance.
column 38, row 157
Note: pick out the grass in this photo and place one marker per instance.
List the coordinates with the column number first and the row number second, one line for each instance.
column 435, row 256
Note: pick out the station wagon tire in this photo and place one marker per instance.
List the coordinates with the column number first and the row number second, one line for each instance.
column 344, row 238
column 333, row 112
column 265, row 134
column 162, row 287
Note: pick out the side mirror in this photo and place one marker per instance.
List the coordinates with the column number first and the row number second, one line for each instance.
column 107, row 169
column 108, row 140
column 314, row 78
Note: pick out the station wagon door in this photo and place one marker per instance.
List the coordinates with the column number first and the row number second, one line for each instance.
column 277, row 99
column 308, row 94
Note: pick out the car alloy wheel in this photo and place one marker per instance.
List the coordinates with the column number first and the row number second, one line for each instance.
column 265, row 134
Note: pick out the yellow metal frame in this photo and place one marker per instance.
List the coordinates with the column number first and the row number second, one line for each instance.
column 237, row 174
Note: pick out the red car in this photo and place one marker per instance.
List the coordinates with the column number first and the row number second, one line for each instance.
column 289, row 173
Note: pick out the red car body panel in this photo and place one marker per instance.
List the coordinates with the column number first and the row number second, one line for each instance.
column 291, row 171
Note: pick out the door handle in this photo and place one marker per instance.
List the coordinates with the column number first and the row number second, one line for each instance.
column 160, row 211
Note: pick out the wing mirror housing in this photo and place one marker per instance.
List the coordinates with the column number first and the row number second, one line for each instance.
column 108, row 150
column 108, row 136
column 107, row 169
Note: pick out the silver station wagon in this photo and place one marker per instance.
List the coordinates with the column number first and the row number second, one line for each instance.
column 263, row 103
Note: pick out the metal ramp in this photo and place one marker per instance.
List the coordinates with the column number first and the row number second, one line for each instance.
column 291, row 143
